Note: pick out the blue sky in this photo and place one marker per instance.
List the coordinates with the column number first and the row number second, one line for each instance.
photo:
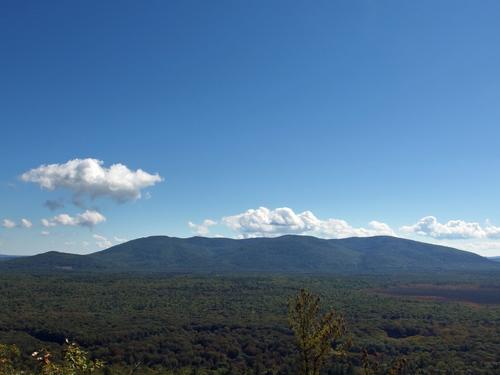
column 349, row 111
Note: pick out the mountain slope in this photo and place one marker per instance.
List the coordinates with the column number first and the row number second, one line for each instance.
column 53, row 261
column 296, row 254
column 286, row 254
column 6, row 257
column 389, row 253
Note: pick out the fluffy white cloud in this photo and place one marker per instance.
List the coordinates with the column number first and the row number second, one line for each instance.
column 88, row 177
column 102, row 241
column 9, row 224
column 453, row 229
column 26, row 223
column 44, row 233
column 202, row 229
column 263, row 222
column 86, row 219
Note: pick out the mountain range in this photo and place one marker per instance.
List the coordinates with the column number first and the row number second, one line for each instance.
column 286, row 254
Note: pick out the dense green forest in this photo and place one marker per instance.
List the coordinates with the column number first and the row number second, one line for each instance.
column 238, row 325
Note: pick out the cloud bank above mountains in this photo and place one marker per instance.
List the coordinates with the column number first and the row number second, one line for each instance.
column 454, row 229
column 265, row 222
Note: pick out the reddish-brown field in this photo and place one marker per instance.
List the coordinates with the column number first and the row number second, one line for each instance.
column 473, row 294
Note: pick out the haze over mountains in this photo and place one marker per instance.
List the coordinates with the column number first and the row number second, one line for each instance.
column 286, row 254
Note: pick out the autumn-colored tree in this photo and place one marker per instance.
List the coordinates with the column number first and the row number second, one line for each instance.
column 316, row 336
column 76, row 362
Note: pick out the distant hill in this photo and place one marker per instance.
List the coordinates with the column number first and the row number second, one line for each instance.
column 495, row 259
column 52, row 261
column 7, row 257
column 286, row 254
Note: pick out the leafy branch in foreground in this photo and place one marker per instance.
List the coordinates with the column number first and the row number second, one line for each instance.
column 317, row 337
column 8, row 355
column 76, row 362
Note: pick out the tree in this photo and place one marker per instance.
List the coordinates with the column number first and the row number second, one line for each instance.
column 317, row 337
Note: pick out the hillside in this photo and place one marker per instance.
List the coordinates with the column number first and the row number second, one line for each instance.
column 6, row 257
column 53, row 261
column 286, row 254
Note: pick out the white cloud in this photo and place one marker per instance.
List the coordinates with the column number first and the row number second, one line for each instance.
column 26, row 223
column 454, row 229
column 47, row 223
column 88, row 177
column 263, row 222
column 335, row 228
column 202, row 229
column 9, row 224
column 102, row 241
column 86, row 219
column 44, row 233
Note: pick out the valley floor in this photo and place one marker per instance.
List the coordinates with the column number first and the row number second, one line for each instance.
column 238, row 325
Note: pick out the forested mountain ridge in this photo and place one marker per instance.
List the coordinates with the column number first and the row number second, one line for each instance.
column 287, row 254
column 6, row 257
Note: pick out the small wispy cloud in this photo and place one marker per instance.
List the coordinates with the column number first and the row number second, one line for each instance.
column 102, row 241
column 202, row 229
column 8, row 224
column 25, row 223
